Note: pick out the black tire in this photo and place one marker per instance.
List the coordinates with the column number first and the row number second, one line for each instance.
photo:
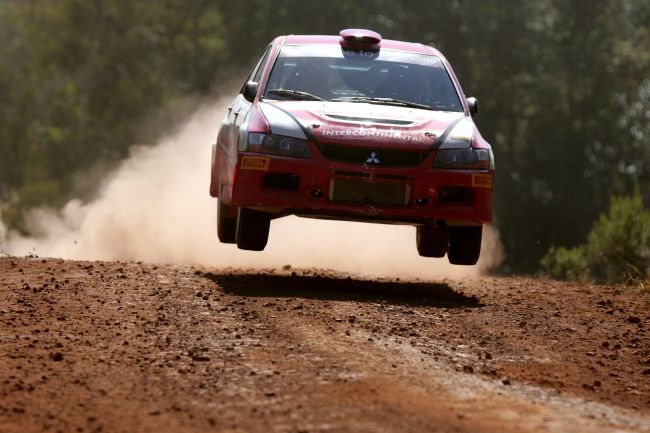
column 252, row 229
column 226, row 225
column 464, row 245
column 432, row 241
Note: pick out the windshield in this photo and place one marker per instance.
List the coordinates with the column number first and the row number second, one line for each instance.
column 330, row 73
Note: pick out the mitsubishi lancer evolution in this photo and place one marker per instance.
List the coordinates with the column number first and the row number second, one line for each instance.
column 354, row 127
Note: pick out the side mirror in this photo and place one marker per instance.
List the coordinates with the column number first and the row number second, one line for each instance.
column 472, row 104
column 250, row 90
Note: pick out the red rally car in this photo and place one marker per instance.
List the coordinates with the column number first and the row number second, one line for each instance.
column 354, row 127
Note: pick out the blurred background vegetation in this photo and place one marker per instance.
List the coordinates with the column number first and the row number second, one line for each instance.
column 564, row 87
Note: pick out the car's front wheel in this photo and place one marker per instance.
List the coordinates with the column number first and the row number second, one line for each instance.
column 226, row 225
column 464, row 245
column 252, row 229
column 432, row 241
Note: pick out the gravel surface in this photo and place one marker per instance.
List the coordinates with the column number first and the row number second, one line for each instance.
column 131, row 347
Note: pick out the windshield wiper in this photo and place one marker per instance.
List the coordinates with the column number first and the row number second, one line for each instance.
column 295, row 94
column 382, row 101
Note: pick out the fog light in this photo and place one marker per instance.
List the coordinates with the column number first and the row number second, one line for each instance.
column 422, row 201
column 316, row 192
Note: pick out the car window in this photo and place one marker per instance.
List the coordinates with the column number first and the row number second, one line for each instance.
column 330, row 72
column 260, row 67
column 256, row 72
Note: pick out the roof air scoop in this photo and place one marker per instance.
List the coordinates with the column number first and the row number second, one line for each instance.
column 360, row 39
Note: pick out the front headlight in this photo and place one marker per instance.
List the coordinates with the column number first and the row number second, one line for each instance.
column 278, row 145
column 471, row 159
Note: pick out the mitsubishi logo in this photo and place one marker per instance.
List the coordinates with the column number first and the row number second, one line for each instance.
column 372, row 159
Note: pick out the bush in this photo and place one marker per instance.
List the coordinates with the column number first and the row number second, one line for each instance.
column 617, row 248
column 566, row 263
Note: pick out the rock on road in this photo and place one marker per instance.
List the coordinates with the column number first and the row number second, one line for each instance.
column 131, row 347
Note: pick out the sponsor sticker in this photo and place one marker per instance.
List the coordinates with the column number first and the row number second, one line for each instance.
column 371, row 132
column 482, row 180
column 255, row 163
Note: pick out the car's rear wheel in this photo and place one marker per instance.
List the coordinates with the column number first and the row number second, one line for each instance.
column 226, row 225
column 464, row 245
column 432, row 241
column 252, row 229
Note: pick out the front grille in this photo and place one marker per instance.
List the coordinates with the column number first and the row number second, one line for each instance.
column 355, row 191
column 367, row 175
column 386, row 157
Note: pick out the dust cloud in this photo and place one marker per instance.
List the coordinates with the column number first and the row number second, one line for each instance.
column 155, row 207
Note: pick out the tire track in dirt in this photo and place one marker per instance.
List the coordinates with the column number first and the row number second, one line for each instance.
column 427, row 381
column 99, row 346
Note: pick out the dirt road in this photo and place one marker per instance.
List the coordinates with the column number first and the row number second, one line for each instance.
column 126, row 347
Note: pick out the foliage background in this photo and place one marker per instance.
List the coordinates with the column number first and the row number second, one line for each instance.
column 617, row 248
column 564, row 87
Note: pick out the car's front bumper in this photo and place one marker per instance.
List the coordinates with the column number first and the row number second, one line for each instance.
column 325, row 189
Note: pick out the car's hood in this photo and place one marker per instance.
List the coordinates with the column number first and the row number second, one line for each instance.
column 367, row 124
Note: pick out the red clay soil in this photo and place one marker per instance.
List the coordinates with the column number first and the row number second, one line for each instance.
column 130, row 347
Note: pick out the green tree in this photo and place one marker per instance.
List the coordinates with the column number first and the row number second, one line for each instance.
column 617, row 247
column 81, row 75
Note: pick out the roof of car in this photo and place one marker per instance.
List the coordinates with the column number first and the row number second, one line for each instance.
column 385, row 43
